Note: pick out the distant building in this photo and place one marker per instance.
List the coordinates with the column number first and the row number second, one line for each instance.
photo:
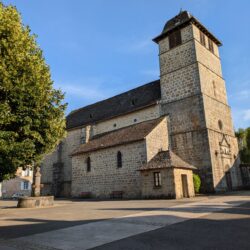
column 21, row 184
column 146, row 142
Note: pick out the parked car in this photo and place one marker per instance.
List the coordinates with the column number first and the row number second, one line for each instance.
column 17, row 195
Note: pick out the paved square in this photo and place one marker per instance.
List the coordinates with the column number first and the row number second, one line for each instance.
column 139, row 224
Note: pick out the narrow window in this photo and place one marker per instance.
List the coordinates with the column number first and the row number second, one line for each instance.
column 24, row 185
column 119, row 159
column 175, row 39
column 88, row 164
column 27, row 172
column 220, row 124
column 157, row 179
column 202, row 38
column 210, row 45
column 133, row 102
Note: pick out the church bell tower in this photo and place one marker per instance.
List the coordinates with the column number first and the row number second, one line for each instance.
column 193, row 94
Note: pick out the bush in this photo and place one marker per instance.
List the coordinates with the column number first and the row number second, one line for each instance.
column 197, row 183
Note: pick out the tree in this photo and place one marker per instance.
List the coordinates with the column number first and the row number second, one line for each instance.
column 32, row 118
column 243, row 136
column 197, row 183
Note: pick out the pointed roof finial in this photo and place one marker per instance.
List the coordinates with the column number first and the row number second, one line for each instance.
column 180, row 10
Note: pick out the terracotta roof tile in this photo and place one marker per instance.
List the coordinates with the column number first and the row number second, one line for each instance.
column 121, row 136
column 166, row 159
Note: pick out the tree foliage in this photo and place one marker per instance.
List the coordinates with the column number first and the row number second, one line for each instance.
column 243, row 136
column 31, row 112
column 197, row 183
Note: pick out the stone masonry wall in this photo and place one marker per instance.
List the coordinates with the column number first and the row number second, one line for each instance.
column 105, row 177
column 224, row 159
column 207, row 58
column 179, row 84
column 178, row 182
column 189, row 137
column 186, row 35
column 76, row 136
column 177, row 57
column 68, row 145
column 166, row 190
column 196, row 36
column 215, row 111
column 146, row 114
column 192, row 73
column 157, row 140
column 212, row 84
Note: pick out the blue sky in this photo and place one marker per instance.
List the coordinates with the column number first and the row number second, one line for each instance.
column 99, row 48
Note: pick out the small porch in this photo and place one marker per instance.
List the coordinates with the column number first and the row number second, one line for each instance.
column 167, row 176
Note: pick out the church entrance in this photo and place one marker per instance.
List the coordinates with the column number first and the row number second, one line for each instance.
column 229, row 181
column 184, row 186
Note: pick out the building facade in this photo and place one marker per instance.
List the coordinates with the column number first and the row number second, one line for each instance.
column 20, row 185
column 146, row 142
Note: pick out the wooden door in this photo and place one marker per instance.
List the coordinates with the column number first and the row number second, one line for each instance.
column 184, row 186
column 229, row 181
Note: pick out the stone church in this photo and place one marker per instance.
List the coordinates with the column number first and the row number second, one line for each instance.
column 148, row 141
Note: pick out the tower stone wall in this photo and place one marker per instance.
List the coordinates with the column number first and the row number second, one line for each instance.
column 194, row 96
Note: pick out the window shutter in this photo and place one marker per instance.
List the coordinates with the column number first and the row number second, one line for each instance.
column 210, row 45
column 202, row 38
column 175, row 39
column 178, row 37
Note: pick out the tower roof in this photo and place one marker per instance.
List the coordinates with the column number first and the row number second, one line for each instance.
column 183, row 19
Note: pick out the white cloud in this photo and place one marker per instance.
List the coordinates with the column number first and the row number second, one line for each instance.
column 241, row 95
column 86, row 92
column 89, row 88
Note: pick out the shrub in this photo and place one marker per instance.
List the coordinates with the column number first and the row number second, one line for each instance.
column 197, row 183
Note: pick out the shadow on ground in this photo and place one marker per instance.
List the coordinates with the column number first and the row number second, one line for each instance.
column 228, row 229
column 192, row 209
column 36, row 226
column 32, row 226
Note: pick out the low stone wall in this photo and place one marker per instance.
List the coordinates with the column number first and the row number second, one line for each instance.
column 35, row 202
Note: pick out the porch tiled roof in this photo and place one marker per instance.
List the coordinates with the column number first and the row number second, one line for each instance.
column 166, row 159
